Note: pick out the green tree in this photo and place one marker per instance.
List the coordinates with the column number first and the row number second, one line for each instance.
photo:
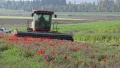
column 105, row 5
column 2, row 3
column 117, row 5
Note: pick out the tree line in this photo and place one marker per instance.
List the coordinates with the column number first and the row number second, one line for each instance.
column 61, row 5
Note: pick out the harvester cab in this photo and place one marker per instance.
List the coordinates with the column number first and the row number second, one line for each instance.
column 41, row 21
column 41, row 27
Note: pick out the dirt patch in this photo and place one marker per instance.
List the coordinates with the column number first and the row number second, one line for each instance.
column 1, row 66
column 65, row 19
column 13, row 21
column 24, row 21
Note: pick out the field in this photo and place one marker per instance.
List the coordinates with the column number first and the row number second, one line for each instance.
column 96, row 45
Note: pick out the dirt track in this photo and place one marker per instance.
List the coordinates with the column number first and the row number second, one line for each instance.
column 24, row 21
column 12, row 21
column 71, row 19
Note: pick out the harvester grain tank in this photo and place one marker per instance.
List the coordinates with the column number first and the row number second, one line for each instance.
column 41, row 27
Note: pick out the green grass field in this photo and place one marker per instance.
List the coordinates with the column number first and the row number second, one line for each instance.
column 97, row 45
column 23, row 13
column 94, row 30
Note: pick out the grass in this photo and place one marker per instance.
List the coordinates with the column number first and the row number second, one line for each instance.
column 7, row 12
column 88, row 31
column 97, row 45
column 18, row 12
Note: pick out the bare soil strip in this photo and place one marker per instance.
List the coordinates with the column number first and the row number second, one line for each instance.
column 62, row 19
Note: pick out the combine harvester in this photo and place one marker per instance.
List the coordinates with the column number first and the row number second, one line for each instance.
column 41, row 27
